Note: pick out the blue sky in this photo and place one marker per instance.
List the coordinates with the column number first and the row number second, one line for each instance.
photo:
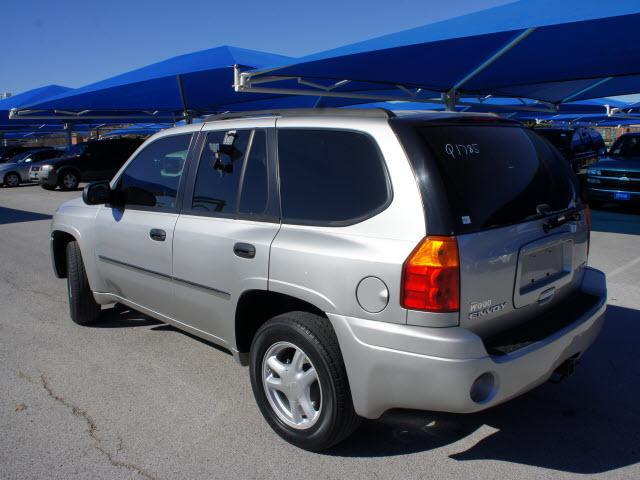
column 74, row 43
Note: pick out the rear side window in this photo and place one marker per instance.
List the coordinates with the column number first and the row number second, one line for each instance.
column 330, row 177
column 218, row 178
column 498, row 175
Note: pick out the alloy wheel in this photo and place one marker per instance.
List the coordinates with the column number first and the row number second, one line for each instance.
column 12, row 180
column 292, row 385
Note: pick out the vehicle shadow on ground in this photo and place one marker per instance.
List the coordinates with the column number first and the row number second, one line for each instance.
column 588, row 424
column 616, row 219
column 23, row 185
column 11, row 215
column 120, row 316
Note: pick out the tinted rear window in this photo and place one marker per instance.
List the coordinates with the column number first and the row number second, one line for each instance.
column 330, row 177
column 561, row 139
column 498, row 175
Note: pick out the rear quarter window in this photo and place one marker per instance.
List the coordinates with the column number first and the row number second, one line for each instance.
column 330, row 177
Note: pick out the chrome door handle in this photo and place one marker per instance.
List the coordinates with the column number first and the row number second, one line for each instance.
column 244, row 250
column 158, row 234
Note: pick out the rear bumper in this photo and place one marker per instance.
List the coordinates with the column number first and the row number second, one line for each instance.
column 399, row 366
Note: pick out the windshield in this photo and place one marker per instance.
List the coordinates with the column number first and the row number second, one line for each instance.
column 497, row 175
column 627, row 146
column 77, row 150
column 19, row 158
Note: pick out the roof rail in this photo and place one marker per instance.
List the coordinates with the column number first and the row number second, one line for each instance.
column 297, row 112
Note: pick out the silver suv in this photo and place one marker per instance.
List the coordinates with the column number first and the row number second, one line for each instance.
column 356, row 260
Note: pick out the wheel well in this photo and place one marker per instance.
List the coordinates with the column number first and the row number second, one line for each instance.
column 69, row 169
column 255, row 307
column 9, row 173
column 59, row 241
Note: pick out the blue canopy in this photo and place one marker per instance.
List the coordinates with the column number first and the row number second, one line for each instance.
column 548, row 50
column 198, row 82
column 26, row 98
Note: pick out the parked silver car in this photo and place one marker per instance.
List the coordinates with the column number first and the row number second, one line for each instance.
column 16, row 170
column 358, row 261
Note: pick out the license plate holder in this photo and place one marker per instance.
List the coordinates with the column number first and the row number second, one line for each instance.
column 621, row 196
column 543, row 264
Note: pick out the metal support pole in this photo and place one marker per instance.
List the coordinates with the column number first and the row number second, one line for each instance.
column 183, row 99
column 67, row 129
column 450, row 99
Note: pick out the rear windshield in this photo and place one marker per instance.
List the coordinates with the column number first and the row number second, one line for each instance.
column 561, row 139
column 497, row 175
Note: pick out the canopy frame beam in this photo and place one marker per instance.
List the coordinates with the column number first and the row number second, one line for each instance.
column 452, row 94
column 246, row 82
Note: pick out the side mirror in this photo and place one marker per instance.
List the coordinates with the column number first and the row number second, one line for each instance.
column 97, row 193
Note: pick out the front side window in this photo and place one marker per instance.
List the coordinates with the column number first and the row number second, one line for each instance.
column 330, row 177
column 153, row 176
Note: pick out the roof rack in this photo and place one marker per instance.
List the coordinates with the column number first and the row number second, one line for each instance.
column 298, row 112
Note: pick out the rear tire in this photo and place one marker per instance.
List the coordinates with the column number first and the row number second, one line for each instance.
column 331, row 417
column 83, row 308
column 69, row 180
column 12, row 179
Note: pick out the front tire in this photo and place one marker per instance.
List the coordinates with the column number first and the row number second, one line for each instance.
column 300, row 382
column 82, row 306
column 69, row 180
column 12, row 179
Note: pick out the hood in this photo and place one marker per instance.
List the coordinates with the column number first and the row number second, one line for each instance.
column 612, row 163
column 54, row 161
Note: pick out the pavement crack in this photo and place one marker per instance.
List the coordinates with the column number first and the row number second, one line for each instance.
column 92, row 428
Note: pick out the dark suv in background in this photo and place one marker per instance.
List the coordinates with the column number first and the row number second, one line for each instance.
column 580, row 146
column 85, row 162
column 616, row 178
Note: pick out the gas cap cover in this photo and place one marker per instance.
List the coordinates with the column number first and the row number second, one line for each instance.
column 372, row 294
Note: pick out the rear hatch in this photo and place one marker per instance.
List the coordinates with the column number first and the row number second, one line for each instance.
column 513, row 204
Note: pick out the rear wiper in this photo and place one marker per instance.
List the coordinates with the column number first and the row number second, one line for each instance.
column 561, row 220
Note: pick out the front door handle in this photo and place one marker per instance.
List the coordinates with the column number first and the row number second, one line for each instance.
column 158, row 234
column 244, row 250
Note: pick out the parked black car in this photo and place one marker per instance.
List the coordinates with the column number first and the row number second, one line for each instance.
column 616, row 178
column 580, row 146
column 6, row 153
column 85, row 162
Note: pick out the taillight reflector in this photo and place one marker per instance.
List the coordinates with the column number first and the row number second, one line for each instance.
column 431, row 276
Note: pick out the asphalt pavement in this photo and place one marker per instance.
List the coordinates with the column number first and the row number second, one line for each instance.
column 134, row 398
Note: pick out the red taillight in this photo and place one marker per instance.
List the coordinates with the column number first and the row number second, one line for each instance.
column 431, row 276
column 587, row 217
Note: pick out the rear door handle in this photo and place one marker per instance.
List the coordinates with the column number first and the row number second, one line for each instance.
column 158, row 234
column 244, row 250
